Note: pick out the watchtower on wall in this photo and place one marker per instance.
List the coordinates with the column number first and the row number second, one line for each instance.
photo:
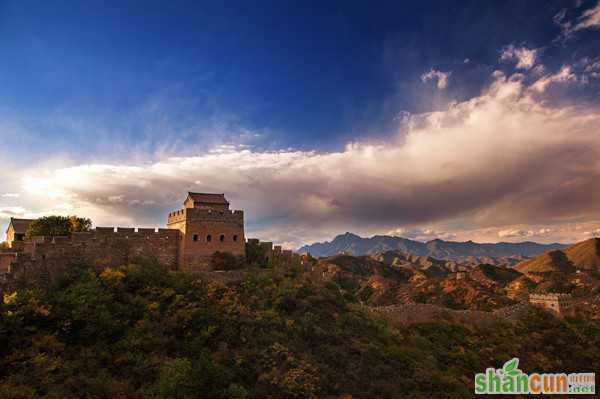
column 559, row 304
column 207, row 226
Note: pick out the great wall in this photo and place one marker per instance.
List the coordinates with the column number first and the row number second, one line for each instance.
column 204, row 226
column 420, row 313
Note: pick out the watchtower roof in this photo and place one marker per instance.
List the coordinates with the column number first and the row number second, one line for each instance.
column 207, row 198
column 20, row 225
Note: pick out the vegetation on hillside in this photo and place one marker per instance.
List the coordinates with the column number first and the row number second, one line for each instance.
column 139, row 331
column 57, row 226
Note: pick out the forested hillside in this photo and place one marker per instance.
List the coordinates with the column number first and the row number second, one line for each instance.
column 141, row 332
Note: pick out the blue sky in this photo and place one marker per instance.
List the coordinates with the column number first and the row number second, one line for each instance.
column 137, row 84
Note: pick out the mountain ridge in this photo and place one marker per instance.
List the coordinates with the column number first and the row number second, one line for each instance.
column 351, row 243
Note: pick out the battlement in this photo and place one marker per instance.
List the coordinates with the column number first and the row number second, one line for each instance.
column 205, row 215
column 273, row 255
column 101, row 233
column 203, row 227
column 550, row 297
column 43, row 259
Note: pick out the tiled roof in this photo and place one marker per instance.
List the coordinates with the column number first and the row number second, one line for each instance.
column 20, row 225
column 208, row 198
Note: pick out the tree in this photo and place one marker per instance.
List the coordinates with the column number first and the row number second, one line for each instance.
column 224, row 261
column 57, row 226
column 256, row 254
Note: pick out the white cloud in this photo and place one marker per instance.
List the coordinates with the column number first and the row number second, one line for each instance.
column 440, row 77
column 515, row 233
column 524, row 57
column 421, row 234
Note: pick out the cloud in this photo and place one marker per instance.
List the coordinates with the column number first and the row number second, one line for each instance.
column 512, row 233
column 589, row 19
column 8, row 212
column 563, row 76
column 421, row 234
column 525, row 57
column 440, row 77
column 499, row 159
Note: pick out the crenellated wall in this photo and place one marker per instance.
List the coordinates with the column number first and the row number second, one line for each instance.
column 275, row 256
column 561, row 304
column 43, row 259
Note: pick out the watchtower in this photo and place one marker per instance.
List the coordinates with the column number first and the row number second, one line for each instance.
column 207, row 225
column 559, row 304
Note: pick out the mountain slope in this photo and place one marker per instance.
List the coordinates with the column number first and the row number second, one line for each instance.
column 353, row 244
column 553, row 261
column 585, row 255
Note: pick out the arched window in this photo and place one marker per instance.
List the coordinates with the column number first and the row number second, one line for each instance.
column 235, row 238
column 222, row 237
column 195, row 237
column 208, row 238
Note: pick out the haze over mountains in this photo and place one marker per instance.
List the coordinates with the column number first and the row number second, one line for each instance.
column 350, row 243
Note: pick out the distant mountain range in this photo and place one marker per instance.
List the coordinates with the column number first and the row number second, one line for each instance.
column 355, row 245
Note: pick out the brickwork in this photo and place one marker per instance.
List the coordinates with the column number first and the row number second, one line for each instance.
column 205, row 225
column 420, row 313
column 43, row 259
column 274, row 256
column 207, row 228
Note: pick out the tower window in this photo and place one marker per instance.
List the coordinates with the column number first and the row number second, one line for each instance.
column 195, row 237
column 235, row 238
column 222, row 237
column 208, row 238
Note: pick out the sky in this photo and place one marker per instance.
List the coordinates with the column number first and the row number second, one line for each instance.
column 461, row 120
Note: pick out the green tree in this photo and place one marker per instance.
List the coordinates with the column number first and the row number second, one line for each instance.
column 256, row 254
column 57, row 226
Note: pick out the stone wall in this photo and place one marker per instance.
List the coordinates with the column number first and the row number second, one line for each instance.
column 420, row 313
column 6, row 258
column 274, row 256
column 206, row 231
column 561, row 304
column 42, row 260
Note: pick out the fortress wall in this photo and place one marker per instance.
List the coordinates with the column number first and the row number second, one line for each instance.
column 207, row 231
column 5, row 260
column 276, row 257
column 44, row 259
column 419, row 313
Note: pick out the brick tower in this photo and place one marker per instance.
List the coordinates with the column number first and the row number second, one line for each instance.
column 207, row 225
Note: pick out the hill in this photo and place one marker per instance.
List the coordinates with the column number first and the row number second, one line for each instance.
column 138, row 331
column 553, row 261
column 353, row 244
column 584, row 256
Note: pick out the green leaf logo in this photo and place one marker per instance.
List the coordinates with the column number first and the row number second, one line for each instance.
column 510, row 367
